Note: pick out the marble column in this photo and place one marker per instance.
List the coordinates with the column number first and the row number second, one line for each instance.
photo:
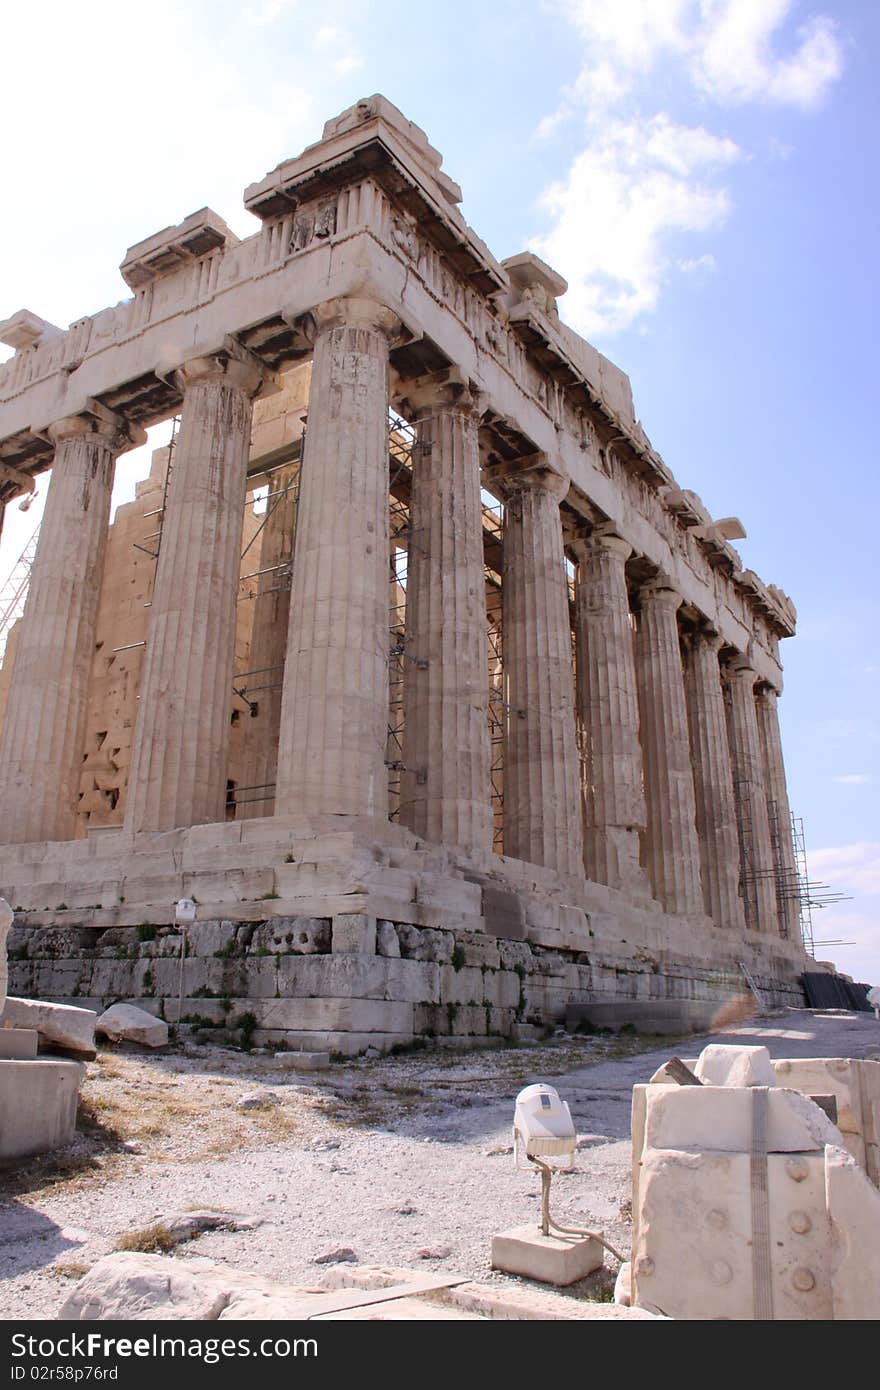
column 179, row 757
column 607, row 703
column 445, row 790
column 334, row 709
column 268, row 648
column 757, row 868
column 779, row 814
column 542, row 801
column 713, row 781
column 672, row 851
column 41, row 748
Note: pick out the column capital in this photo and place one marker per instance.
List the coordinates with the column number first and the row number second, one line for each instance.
column 355, row 311
column 533, row 473
column 708, row 637
column 447, row 390
column 738, row 668
column 601, row 538
column 659, row 593
column 231, row 362
column 95, row 421
column 766, row 692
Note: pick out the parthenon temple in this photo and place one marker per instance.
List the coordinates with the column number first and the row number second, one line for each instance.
column 410, row 662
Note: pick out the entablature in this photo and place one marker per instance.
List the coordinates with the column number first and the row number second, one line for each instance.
column 361, row 216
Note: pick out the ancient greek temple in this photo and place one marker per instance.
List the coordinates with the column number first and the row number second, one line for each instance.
column 411, row 662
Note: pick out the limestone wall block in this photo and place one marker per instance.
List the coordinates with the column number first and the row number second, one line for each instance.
column 101, row 978
column 207, row 938
column 354, row 933
column 501, row 1021
column 230, row 885
column 501, row 988
column 339, row 976
column 215, row 1012
column 413, row 981
column 335, row 1015
column 449, row 894
column 387, row 941
column 513, row 953
column 115, row 939
column 574, row 926
column 161, row 945
column 432, row 1020
column 425, row 943
column 60, row 980
column 464, row 986
column 478, row 949
column 345, row 1043
column 469, row 1020
column 311, row 880
column 240, row 977
column 503, row 913
column 57, row 943
column 283, row 935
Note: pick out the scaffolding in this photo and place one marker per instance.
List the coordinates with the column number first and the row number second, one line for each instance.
column 160, row 511
column 13, row 594
column 790, row 874
column 811, row 895
column 745, row 833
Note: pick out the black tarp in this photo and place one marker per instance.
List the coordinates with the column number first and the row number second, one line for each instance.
column 833, row 992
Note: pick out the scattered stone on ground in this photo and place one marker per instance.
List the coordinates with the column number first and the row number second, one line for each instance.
column 257, row 1100
column 159, row 1134
column 128, row 1023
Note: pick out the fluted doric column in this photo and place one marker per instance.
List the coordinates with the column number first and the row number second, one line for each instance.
column 713, row 782
column 259, row 756
column 180, row 752
column 779, row 814
column 334, row 710
column 41, row 748
column 757, row 867
column 672, row 851
column 445, row 790
column 607, row 705
column 542, row 802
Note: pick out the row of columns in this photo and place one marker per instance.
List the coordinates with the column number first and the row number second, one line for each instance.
column 655, row 813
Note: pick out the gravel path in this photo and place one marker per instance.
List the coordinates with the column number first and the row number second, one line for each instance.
column 403, row 1161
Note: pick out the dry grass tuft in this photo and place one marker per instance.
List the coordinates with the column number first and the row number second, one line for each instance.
column 149, row 1240
column 70, row 1269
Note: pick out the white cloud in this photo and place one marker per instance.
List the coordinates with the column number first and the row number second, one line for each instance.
column 848, row 868
column 637, row 182
column 649, row 170
column 270, row 12
column 733, row 59
column 855, row 871
column 349, row 62
column 328, row 35
column 852, row 779
column 860, row 931
column 729, row 49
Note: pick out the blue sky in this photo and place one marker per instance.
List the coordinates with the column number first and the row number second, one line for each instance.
column 702, row 171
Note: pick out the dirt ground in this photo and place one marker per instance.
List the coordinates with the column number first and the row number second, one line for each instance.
column 404, row 1160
